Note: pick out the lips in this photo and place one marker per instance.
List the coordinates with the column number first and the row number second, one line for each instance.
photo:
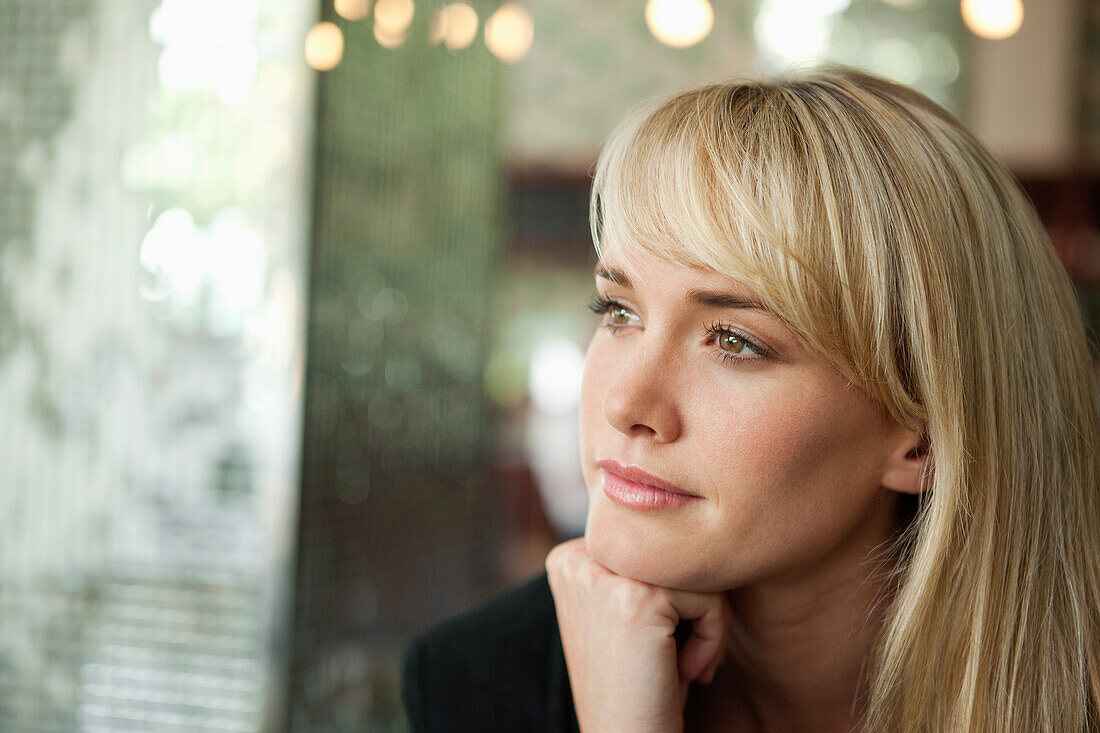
column 634, row 488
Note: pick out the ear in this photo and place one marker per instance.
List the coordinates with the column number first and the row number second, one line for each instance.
column 905, row 466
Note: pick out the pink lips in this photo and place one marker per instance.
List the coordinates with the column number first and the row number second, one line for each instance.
column 636, row 489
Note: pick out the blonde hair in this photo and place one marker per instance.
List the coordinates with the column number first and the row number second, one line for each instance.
column 894, row 245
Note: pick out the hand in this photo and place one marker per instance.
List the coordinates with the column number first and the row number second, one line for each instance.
column 625, row 669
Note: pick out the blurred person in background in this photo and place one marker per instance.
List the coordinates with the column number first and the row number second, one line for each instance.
column 839, row 434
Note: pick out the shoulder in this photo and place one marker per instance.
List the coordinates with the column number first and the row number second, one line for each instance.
column 498, row 667
column 518, row 613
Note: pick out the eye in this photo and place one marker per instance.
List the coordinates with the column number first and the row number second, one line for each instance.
column 616, row 315
column 734, row 345
column 619, row 315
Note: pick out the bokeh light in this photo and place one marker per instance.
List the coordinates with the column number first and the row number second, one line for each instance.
column 388, row 39
column 941, row 62
column 796, row 30
column 896, row 59
column 993, row 19
column 324, row 46
column 352, row 9
column 437, row 27
column 460, row 21
column 509, row 32
column 169, row 252
column 555, row 377
column 679, row 23
column 214, row 275
column 206, row 45
column 392, row 17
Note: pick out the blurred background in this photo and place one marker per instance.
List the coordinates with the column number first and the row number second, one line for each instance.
column 292, row 310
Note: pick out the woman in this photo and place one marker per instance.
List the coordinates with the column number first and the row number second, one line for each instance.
column 839, row 434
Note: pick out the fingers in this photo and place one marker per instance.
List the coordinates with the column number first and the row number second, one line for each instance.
column 705, row 648
column 570, row 568
column 619, row 645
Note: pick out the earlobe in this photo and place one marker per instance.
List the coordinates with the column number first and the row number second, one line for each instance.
column 905, row 469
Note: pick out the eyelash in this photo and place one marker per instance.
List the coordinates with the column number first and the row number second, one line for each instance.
column 601, row 305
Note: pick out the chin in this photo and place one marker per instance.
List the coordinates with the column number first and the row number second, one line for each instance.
column 632, row 552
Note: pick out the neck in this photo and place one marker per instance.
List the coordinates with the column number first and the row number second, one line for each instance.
column 800, row 655
column 801, row 644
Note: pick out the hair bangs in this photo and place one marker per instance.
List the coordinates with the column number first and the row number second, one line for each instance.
column 661, row 186
column 695, row 180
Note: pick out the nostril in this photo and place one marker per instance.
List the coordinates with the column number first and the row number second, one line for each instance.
column 640, row 403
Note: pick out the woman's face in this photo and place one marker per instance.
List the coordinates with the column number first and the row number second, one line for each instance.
column 774, row 460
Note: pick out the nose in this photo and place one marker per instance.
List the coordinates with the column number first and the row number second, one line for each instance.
column 641, row 401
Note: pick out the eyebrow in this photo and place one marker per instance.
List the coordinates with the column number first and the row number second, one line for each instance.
column 707, row 298
column 610, row 273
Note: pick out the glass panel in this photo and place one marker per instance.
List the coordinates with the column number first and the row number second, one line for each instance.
column 152, row 246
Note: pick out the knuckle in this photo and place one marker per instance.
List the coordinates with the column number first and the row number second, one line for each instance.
column 553, row 560
column 630, row 598
column 588, row 572
column 564, row 561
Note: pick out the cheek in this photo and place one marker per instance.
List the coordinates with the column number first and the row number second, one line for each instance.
column 793, row 436
column 794, row 473
column 802, row 467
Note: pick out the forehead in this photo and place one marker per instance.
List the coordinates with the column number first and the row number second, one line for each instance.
column 703, row 285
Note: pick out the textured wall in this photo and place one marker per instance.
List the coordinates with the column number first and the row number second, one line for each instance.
column 397, row 519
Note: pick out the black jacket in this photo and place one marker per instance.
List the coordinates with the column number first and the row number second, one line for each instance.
column 497, row 668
